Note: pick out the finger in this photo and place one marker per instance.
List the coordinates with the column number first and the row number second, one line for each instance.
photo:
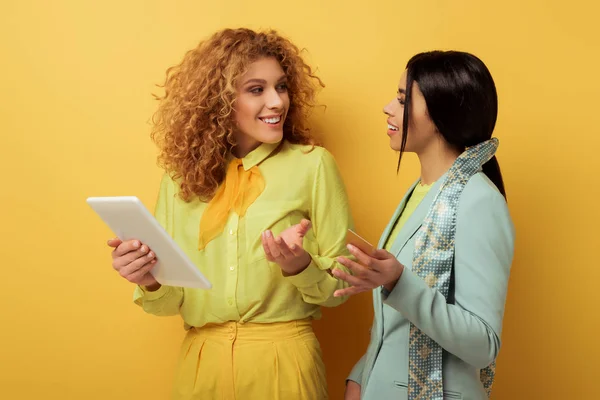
column 303, row 227
column 135, row 265
column 266, row 248
column 126, row 247
column 382, row 254
column 362, row 258
column 273, row 248
column 349, row 291
column 130, row 257
column 352, row 280
column 283, row 248
column 356, row 268
column 296, row 250
column 114, row 242
column 140, row 273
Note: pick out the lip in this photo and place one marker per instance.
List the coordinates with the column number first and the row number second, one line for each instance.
column 277, row 125
column 270, row 116
column 392, row 132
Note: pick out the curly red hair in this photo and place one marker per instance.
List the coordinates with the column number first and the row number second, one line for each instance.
column 193, row 126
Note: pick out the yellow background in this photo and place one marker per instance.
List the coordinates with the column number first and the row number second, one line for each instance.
column 75, row 104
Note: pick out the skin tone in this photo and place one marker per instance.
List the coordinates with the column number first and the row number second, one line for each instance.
column 262, row 104
column 436, row 156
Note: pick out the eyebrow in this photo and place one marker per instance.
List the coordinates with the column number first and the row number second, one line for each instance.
column 263, row 82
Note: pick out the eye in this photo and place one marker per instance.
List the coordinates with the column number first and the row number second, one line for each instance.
column 256, row 90
column 401, row 100
column 282, row 87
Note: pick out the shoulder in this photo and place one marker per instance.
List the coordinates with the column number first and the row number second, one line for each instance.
column 169, row 187
column 480, row 190
column 481, row 203
column 167, row 182
column 307, row 155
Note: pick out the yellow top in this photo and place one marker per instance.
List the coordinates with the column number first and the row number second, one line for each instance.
column 419, row 192
column 299, row 183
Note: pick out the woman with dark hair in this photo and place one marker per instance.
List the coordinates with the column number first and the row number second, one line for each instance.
column 440, row 276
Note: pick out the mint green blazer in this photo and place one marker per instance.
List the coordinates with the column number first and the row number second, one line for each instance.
column 468, row 324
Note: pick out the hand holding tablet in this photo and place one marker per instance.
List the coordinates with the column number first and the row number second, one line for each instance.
column 130, row 221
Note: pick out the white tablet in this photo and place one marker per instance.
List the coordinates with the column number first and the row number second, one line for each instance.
column 127, row 217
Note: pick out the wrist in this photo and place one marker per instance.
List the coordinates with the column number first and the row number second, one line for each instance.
column 152, row 287
column 389, row 286
column 304, row 262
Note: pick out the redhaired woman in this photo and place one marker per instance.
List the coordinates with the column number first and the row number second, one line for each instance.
column 243, row 179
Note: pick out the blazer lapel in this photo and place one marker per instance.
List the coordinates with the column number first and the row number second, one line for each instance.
column 415, row 221
column 377, row 304
column 388, row 229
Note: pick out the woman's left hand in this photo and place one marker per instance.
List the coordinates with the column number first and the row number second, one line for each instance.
column 286, row 249
column 381, row 268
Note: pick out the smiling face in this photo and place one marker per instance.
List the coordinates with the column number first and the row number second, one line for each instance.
column 261, row 106
column 421, row 129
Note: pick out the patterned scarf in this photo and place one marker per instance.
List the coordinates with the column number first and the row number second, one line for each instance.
column 433, row 261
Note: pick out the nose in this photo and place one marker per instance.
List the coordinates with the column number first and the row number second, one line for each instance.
column 274, row 100
column 388, row 109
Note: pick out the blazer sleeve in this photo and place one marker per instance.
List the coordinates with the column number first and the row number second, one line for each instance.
column 471, row 328
column 356, row 373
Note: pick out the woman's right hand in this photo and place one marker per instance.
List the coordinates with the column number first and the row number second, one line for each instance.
column 352, row 391
column 133, row 261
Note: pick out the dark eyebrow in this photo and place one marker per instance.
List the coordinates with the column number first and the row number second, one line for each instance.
column 401, row 91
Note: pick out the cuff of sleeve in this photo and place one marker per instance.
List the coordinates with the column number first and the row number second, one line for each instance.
column 357, row 371
column 310, row 276
column 141, row 294
column 384, row 293
column 406, row 291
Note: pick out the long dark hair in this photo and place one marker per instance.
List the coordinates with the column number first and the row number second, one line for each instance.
column 461, row 100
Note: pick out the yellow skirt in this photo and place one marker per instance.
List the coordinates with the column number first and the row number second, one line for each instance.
column 233, row 361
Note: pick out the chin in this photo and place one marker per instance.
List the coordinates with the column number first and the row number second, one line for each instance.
column 395, row 145
column 272, row 138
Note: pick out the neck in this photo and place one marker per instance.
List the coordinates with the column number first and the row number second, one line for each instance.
column 436, row 160
column 244, row 147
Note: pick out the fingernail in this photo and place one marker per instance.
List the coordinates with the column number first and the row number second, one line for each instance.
column 150, row 255
column 293, row 247
column 268, row 234
column 136, row 244
column 144, row 249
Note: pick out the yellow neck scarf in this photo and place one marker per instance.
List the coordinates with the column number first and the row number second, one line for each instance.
column 238, row 192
